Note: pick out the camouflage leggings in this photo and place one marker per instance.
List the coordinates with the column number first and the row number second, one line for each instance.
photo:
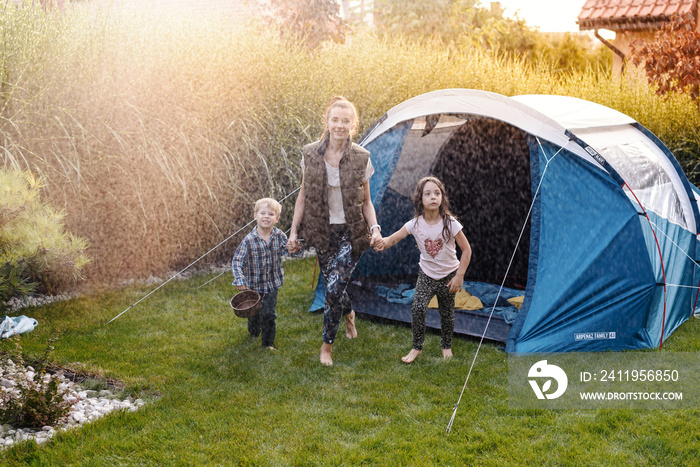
column 336, row 267
column 426, row 288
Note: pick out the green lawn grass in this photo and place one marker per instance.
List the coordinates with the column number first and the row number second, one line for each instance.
column 217, row 398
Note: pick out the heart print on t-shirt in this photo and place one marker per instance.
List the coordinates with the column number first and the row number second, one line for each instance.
column 433, row 247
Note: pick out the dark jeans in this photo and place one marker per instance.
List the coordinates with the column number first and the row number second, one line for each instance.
column 264, row 321
column 336, row 267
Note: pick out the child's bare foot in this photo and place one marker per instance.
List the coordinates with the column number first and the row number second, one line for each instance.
column 411, row 356
column 350, row 330
column 271, row 348
column 326, row 354
column 446, row 353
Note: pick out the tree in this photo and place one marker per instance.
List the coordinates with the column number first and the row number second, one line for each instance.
column 448, row 21
column 672, row 60
column 307, row 22
column 464, row 24
column 413, row 19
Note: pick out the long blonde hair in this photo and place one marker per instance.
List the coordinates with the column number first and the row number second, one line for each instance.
column 340, row 101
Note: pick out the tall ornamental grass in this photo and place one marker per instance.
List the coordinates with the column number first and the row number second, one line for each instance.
column 156, row 132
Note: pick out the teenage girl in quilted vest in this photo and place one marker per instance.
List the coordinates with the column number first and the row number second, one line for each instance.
column 441, row 273
column 334, row 214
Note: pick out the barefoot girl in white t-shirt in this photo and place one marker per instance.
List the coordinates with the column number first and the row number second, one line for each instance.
column 436, row 231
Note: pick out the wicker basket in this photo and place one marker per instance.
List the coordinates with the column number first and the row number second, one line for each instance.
column 246, row 304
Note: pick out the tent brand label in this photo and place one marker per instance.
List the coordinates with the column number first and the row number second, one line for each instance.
column 595, row 155
column 594, row 336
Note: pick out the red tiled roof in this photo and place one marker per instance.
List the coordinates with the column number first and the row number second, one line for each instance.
column 631, row 14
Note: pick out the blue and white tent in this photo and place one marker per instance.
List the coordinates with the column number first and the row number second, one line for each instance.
column 572, row 205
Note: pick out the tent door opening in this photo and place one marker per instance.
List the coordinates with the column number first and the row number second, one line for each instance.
column 485, row 167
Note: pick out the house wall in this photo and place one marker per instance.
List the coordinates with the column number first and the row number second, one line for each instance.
column 623, row 41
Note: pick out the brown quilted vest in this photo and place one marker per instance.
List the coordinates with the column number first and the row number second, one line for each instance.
column 315, row 224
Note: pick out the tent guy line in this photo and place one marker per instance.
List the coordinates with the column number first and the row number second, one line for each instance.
column 493, row 308
column 657, row 229
column 679, row 248
column 228, row 269
column 195, row 261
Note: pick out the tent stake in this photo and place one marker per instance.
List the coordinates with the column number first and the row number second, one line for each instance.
column 313, row 279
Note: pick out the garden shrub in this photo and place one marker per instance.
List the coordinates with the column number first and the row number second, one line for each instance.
column 36, row 253
column 37, row 399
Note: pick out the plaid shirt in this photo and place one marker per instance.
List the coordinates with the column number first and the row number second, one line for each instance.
column 257, row 264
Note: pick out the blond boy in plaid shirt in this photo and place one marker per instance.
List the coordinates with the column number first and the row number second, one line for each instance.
column 257, row 265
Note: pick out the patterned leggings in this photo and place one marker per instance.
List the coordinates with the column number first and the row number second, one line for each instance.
column 426, row 287
column 337, row 265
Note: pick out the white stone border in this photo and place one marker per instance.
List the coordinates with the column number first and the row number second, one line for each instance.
column 87, row 406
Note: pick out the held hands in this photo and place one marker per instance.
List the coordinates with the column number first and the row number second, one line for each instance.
column 379, row 245
column 376, row 238
column 293, row 243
